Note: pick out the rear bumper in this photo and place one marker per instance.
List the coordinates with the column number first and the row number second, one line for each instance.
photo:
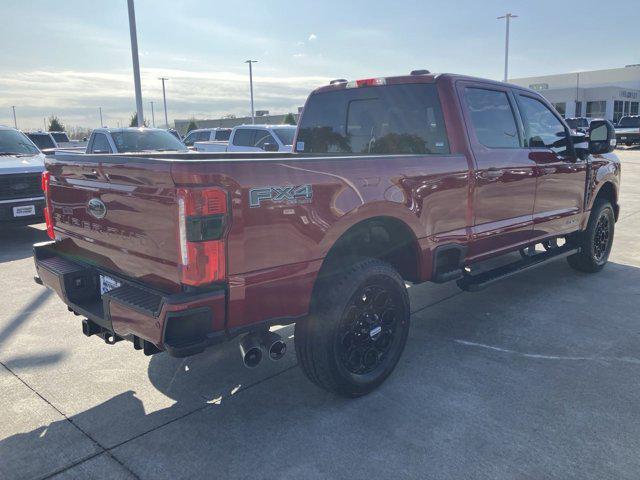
column 182, row 324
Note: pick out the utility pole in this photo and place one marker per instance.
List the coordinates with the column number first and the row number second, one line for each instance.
column 250, row 62
column 508, row 17
column 15, row 122
column 577, row 96
column 136, row 63
column 164, row 99
column 153, row 118
column 44, row 122
column 101, row 122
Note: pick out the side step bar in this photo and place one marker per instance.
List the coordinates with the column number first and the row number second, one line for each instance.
column 474, row 283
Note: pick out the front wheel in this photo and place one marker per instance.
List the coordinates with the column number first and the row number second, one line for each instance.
column 355, row 335
column 596, row 241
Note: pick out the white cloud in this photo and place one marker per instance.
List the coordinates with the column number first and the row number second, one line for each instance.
column 313, row 37
column 74, row 96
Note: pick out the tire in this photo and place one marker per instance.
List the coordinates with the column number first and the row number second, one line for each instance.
column 596, row 241
column 357, row 330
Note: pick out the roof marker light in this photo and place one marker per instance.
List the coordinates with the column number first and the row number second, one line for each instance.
column 367, row 82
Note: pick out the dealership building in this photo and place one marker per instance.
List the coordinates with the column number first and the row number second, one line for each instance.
column 608, row 94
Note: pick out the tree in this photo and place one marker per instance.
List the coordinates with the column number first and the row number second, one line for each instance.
column 134, row 121
column 55, row 125
column 192, row 125
column 289, row 119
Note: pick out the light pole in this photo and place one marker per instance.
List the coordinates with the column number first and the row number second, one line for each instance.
column 164, row 99
column 136, row 63
column 153, row 117
column 250, row 62
column 101, row 122
column 508, row 17
column 15, row 122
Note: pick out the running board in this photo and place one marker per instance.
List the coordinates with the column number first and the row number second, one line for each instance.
column 474, row 283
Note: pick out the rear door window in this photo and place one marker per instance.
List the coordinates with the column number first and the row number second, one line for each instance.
column 394, row 119
column 492, row 118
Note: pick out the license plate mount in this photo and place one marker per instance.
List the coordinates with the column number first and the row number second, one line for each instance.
column 24, row 211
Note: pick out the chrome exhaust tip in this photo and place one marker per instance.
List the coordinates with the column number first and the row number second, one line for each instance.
column 250, row 350
column 273, row 343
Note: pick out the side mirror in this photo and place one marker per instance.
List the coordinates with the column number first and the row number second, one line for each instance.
column 602, row 137
column 270, row 147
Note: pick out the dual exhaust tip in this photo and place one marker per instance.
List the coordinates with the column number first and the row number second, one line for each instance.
column 253, row 345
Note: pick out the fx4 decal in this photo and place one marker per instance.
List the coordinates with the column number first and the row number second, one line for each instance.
column 289, row 194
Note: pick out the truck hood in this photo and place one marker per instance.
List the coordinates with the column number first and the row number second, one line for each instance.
column 21, row 164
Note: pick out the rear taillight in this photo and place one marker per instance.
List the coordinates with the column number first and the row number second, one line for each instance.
column 202, row 221
column 48, row 218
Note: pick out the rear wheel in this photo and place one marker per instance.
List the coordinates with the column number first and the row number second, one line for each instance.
column 596, row 241
column 355, row 336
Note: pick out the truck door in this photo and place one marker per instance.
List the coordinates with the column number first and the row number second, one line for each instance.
column 561, row 174
column 505, row 177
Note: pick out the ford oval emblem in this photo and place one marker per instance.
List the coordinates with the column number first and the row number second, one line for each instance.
column 97, row 208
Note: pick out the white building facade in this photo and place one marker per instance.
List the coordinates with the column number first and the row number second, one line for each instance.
column 609, row 94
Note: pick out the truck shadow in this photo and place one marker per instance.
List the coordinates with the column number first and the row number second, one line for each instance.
column 458, row 392
column 17, row 241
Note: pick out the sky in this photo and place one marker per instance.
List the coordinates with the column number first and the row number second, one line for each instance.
column 67, row 58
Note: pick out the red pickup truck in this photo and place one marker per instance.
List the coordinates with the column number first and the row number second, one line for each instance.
column 392, row 180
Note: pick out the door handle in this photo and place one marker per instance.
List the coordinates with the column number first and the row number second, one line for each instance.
column 492, row 173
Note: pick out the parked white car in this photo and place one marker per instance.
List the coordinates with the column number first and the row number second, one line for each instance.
column 254, row 138
column 51, row 142
column 207, row 135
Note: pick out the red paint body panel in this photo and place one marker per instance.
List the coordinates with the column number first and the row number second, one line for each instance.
column 489, row 201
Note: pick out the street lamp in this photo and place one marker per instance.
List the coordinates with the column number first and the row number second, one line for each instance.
column 164, row 99
column 136, row 63
column 508, row 17
column 250, row 62
column 153, row 118
column 15, row 122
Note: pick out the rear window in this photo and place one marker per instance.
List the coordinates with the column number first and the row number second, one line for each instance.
column 629, row 122
column 395, row 119
column 223, row 135
column 41, row 140
column 145, row 140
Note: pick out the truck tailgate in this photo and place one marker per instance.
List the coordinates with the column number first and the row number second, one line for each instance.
column 117, row 213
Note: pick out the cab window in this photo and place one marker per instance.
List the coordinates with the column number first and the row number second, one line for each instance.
column 542, row 128
column 492, row 118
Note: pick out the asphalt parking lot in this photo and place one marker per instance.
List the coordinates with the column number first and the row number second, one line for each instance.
column 534, row 378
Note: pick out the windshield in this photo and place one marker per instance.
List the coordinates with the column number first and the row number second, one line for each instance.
column 285, row 135
column 396, row 119
column 60, row 137
column 144, row 140
column 16, row 143
column 42, row 140
column 629, row 122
